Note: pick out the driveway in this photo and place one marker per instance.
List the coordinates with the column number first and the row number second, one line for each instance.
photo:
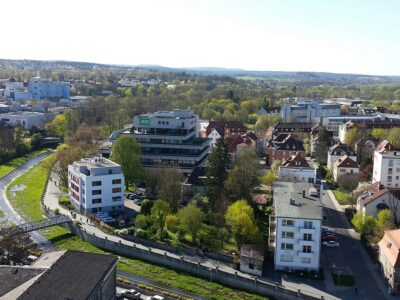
column 351, row 255
column 5, row 205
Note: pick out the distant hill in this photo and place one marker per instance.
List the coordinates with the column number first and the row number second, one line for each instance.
column 313, row 78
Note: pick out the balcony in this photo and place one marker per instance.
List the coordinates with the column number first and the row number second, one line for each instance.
column 307, row 230
column 306, row 254
column 306, row 242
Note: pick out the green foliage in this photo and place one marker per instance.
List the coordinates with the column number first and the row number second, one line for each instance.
column 358, row 221
column 141, row 221
column 394, row 136
column 269, row 178
column 352, row 136
column 57, row 126
column 126, row 152
column 191, row 219
column 159, row 213
column 217, row 172
column 379, row 133
column 240, row 219
column 146, row 207
column 384, row 221
column 322, row 146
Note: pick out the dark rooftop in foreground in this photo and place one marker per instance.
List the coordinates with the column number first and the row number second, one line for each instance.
column 12, row 277
column 289, row 201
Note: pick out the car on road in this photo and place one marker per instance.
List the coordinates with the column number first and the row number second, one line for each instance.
column 331, row 244
column 329, row 238
column 327, row 232
column 156, row 297
column 131, row 294
column 119, row 296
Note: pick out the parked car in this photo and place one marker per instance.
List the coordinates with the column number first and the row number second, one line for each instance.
column 131, row 294
column 329, row 238
column 119, row 296
column 156, row 297
column 108, row 220
column 331, row 244
column 327, row 232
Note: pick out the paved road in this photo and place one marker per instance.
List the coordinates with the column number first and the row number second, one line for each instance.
column 143, row 296
column 351, row 255
column 5, row 205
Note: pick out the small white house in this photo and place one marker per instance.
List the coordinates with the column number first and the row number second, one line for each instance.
column 375, row 198
column 96, row 184
column 344, row 165
column 337, row 151
column 214, row 136
column 297, row 169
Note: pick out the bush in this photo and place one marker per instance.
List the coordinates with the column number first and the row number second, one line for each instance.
column 57, row 211
column 145, row 209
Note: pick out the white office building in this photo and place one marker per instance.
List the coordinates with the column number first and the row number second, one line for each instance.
column 295, row 226
column 44, row 88
column 309, row 112
column 28, row 120
column 386, row 165
column 96, row 184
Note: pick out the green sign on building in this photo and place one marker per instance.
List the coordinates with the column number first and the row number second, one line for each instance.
column 144, row 121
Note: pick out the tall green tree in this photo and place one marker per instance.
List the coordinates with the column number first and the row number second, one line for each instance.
column 394, row 136
column 321, row 148
column 240, row 219
column 126, row 152
column 384, row 221
column 217, row 172
column 191, row 219
column 57, row 126
column 352, row 136
column 158, row 216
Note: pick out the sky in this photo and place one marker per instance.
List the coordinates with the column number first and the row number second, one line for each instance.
column 343, row 36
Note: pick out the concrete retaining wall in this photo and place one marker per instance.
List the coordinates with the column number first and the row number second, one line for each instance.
column 236, row 280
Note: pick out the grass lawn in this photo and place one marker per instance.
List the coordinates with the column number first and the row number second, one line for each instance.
column 16, row 162
column 341, row 196
column 27, row 203
column 343, row 280
column 27, row 200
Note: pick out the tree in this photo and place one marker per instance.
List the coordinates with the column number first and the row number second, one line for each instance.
column 170, row 186
column 348, row 182
column 72, row 121
column 242, row 177
column 394, row 205
column 384, row 221
column 57, row 126
column 141, row 221
column 14, row 245
column 217, row 172
column 126, row 152
column 379, row 133
column 394, row 136
column 358, row 221
column 352, row 136
column 191, row 219
column 240, row 219
column 159, row 213
column 269, row 178
column 321, row 148
column 146, row 207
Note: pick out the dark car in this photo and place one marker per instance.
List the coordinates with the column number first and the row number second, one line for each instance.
column 329, row 238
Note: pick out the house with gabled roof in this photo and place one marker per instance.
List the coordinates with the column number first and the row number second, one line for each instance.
column 282, row 147
column 389, row 258
column 344, row 165
column 297, row 169
column 337, row 151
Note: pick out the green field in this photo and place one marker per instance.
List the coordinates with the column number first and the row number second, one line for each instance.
column 27, row 203
column 341, row 196
column 12, row 164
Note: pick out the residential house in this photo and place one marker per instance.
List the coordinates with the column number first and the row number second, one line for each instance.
column 282, row 147
column 297, row 169
column 375, row 198
column 96, row 184
column 386, row 165
column 337, row 151
column 389, row 258
column 195, row 184
column 344, row 165
column 295, row 226
column 62, row 275
column 293, row 128
column 251, row 260
column 225, row 129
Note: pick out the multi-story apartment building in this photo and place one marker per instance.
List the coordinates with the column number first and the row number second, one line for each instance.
column 386, row 165
column 170, row 138
column 283, row 147
column 295, row 226
column 45, row 88
column 306, row 112
column 96, row 184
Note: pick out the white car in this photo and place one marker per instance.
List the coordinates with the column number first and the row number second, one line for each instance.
column 331, row 244
column 156, row 297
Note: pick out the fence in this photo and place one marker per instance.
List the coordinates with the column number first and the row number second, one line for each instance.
column 235, row 279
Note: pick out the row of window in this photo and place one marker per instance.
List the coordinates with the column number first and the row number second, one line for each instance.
column 290, row 235
column 98, row 182
column 289, row 222
column 290, row 258
column 98, row 200
column 114, row 190
column 288, row 246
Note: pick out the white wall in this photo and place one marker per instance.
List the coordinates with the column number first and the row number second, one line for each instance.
column 337, row 172
column 332, row 158
column 296, row 174
column 298, row 242
column 387, row 168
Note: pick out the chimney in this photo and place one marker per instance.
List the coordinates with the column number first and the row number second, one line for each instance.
column 292, row 202
column 304, row 193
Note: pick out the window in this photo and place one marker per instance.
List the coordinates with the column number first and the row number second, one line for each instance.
column 307, row 236
column 306, row 260
column 109, row 171
column 117, row 198
column 389, row 178
column 306, row 249
column 96, row 183
column 96, row 192
column 96, row 201
column 308, row 224
column 286, row 222
column 287, row 234
column 116, row 190
column 286, row 258
column 390, row 170
column 116, row 181
column 391, row 162
column 286, row 246
column 251, row 266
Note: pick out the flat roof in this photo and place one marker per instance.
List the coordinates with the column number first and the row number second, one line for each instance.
column 308, row 207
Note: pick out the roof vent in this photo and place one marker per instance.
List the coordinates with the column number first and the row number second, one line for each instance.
column 292, row 202
column 304, row 193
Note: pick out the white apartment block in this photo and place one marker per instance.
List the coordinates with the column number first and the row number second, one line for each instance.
column 96, row 184
column 297, row 174
column 386, row 165
column 28, row 120
column 295, row 226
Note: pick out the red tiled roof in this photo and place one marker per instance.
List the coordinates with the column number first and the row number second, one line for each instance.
column 346, row 162
column 386, row 146
column 221, row 125
column 296, row 161
column 389, row 246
